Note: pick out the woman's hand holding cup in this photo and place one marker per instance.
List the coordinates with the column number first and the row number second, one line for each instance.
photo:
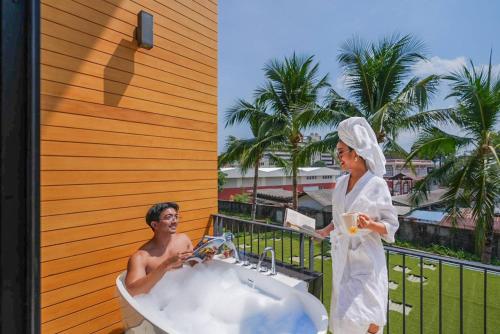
column 364, row 221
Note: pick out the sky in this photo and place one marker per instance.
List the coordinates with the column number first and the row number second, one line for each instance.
column 252, row 32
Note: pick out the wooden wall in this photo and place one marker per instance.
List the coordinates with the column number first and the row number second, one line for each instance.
column 121, row 128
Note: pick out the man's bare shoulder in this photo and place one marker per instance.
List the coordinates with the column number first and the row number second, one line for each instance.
column 143, row 253
column 182, row 238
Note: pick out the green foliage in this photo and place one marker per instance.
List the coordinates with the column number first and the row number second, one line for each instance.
column 249, row 152
column 292, row 92
column 221, row 180
column 241, row 198
column 473, row 178
column 319, row 163
column 381, row 89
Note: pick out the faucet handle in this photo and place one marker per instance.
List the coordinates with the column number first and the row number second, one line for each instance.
column 228, row 236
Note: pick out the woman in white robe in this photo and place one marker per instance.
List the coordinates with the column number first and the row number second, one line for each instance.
column 359, row 275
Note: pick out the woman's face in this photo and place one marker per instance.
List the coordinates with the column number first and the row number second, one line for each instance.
column 346, row 156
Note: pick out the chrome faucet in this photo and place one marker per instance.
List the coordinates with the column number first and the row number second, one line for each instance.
column 260, row 267
column 229, row 237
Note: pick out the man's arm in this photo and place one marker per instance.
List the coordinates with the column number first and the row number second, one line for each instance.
column 137, row 281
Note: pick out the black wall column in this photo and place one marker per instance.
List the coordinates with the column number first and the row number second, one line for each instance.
column 20, row 167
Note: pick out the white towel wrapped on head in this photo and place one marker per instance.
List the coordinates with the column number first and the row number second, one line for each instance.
column 356, row 133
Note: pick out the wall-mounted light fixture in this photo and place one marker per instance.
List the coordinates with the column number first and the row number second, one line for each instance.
column 145, row 30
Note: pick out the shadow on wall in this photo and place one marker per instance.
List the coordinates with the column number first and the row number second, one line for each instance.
column 118, row 72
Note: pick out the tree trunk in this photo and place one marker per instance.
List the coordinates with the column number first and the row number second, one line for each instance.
column 255, row 181
column 294, row 187
column 488, row 244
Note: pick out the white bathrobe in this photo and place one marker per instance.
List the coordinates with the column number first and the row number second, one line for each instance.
column 359, row 275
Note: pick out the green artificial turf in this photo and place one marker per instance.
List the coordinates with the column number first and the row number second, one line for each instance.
column 287, row 247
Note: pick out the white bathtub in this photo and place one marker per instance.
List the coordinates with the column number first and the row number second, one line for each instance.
column 136, row 320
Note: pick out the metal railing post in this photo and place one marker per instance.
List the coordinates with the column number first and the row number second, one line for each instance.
column 301, row 245
column 311, row 254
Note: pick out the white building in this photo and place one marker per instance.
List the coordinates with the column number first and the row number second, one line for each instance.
column 308, row 178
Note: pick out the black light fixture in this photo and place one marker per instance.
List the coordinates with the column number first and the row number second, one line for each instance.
column 145, row 30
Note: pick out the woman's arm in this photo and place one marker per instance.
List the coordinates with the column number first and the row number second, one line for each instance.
column 325, row 231
column 366, row 222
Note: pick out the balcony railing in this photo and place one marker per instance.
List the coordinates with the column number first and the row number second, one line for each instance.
column 427, row 293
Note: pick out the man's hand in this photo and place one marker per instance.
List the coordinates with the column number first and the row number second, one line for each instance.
column 175, row 261
column 210, row 254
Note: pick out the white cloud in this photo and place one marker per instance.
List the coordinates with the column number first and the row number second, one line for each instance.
column 440, row 66
column 437, row 65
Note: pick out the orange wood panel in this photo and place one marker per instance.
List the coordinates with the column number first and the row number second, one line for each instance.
column 59, row 207
column 63, row 236
column 163, row 38
column 168, row 24
column 67, row 220
column 75, row 290
column 84, row 246
column 150, row 78
column 115, row 30
column 95, row 324
column 200, row 8
column 77, row 318
column 108, row 86
column 52, row 118
column 185, row 17
column 70, row 249
column 117, row 138
column 88, row 259
column 87, row 48
column 66, row 278
column 76, row 304
column 98, row 163
column 49, row 178
column 53, row 103
column 50, row 193
column 208, row 5
column 121, row 128
column 91, row 95
column 116, row 151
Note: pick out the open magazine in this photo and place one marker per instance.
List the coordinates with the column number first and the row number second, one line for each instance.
column 301, row 223
column 205, row 247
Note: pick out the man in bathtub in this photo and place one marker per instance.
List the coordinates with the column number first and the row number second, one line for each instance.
column 166, row 251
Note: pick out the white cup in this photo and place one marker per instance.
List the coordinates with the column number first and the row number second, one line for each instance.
column 350, row 222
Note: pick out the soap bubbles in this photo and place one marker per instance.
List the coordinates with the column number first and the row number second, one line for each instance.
column 211, row 299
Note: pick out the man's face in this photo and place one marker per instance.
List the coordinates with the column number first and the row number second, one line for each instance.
column 168, row 221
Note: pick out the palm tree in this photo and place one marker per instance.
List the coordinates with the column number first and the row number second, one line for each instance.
column 292, row 93
column 472, row 177
column 382, row 89
column 249, row 152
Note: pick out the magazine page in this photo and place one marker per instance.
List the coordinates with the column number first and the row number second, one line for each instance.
column 204, row 248
column 301, row 223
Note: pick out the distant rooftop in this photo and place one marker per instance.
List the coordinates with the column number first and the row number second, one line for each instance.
column 432, row 217
column 323, row 196
column 235, row 172
column 434, row 197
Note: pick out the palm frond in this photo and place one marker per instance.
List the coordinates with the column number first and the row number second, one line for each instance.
column 423, row 187
column 425, row 119
column 434, row 142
